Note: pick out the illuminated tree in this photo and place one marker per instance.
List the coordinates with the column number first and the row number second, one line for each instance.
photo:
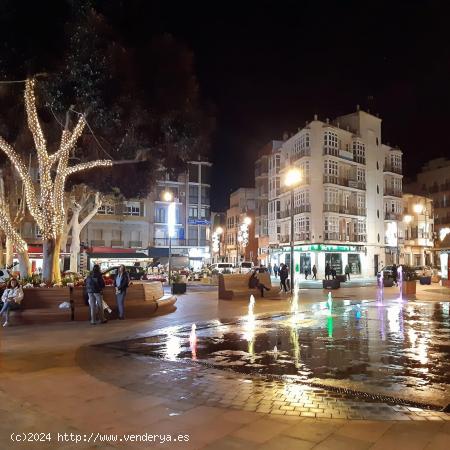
column 45, row 200
column 9, row 227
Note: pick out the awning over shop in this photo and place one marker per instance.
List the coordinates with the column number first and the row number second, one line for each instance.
column 158, row 252
column 117, row 255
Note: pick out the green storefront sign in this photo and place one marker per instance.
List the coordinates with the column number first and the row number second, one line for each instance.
column 322, row 248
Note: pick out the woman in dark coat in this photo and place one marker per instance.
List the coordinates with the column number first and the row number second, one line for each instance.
column 121, row 284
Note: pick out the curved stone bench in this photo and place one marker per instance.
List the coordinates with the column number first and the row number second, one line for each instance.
column 235, row 285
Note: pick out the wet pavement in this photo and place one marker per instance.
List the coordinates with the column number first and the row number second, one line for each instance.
column 385, row 349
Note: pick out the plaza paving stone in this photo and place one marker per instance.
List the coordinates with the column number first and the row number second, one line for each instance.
column 55, row 378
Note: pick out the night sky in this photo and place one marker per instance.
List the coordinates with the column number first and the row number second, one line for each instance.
column 269, row 66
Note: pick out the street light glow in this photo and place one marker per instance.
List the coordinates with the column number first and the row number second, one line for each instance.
column 219, row 230
column 407, row 219
column 247, row 220
column 418, row 208
column 293, row 177
column 167, row 196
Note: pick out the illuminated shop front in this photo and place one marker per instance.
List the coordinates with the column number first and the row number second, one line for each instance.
column 337, row 256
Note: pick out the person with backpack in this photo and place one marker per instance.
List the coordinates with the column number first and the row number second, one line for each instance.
column 121, row 283
column 314, row 271
column 94, row 287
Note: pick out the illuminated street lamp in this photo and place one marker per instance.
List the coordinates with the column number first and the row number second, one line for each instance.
column 407, row 219
column 242, row 235
column 216, row 240
column 292, row 179
column 171, row 220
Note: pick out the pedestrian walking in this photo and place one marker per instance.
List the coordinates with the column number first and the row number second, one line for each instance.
column 94, row 287
column 306, row 272
column 394, row 274
column 283, row 277
column 11, row 298
column 347, row 272
column 269, row 268
column 327, row 271
column 121, row 284
column 275, row 270
column 333, row 273
column 314, row 271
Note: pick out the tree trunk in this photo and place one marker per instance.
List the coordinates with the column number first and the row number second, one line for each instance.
column 57, row 261
column 48, row 253
column 1, row 251
column 9, row 251
column 75, row 246
column 24, row 264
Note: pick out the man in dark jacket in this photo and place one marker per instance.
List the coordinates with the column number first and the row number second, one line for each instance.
column 94, row 287
column 254, row 283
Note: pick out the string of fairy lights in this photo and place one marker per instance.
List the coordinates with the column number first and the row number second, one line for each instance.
column 49, row 210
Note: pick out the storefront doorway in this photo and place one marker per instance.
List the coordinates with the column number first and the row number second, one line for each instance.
column 335, row 262
column 354, row 262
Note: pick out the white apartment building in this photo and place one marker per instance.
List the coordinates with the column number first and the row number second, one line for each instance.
column 348, row 200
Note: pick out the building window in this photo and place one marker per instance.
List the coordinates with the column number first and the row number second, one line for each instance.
column 193, row 194
column 359, row 152
column 301, row 145
column 193, row 212
column 360, row 175
column 331, row 143
column 160, row 215
column 330, row 167
column 106, row 209
column 132, row 209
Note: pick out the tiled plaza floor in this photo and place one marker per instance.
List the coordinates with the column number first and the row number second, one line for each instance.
column 55, row 379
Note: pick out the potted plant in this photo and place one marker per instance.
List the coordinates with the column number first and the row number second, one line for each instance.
column 409, row 281
column 178, row 286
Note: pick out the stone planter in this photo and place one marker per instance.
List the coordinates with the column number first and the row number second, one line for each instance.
column 409, row 287
column 425, row 280
column 178, row 288
column 341, row 278
column 331, row 284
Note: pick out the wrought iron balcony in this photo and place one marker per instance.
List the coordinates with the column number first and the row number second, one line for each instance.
column 334, row 179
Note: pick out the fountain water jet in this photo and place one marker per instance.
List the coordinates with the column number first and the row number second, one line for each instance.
column 193, row 341
column 400, row 281
column 329, row 303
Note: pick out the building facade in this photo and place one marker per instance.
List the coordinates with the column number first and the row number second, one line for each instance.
column 240, row 220
column 417, row 235
column 143, row 224
column 351, row 183
column 262, row 200
column 433, row 181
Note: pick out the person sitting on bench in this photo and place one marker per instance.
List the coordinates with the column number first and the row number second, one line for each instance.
column 254, row 283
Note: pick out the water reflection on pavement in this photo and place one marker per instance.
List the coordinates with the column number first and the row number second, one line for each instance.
column 392, row 348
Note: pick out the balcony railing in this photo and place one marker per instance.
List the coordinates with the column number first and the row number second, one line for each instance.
column 393, row 192
column 334, row 179
column 392, row 216
column 135, row 244
column 300, row 154
column 346, row 155
column 393, row 169
column 334, row 236
column 164, row 242
column 297, row 210
column 342, row 209
column 118, row 244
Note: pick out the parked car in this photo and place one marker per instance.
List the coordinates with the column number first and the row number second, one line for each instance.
column 222, row 267
column 245, row 267
column 136, row 273
column 409, row 272
column 423, row 271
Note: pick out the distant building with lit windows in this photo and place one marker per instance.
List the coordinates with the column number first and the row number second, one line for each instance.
column 121, row 228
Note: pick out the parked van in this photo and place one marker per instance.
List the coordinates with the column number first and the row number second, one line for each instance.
column 221, row 267
column 245, row 266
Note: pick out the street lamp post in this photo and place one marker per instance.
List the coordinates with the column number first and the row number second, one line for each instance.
column 168, row 197
column 419, row 209
column 292, row 180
